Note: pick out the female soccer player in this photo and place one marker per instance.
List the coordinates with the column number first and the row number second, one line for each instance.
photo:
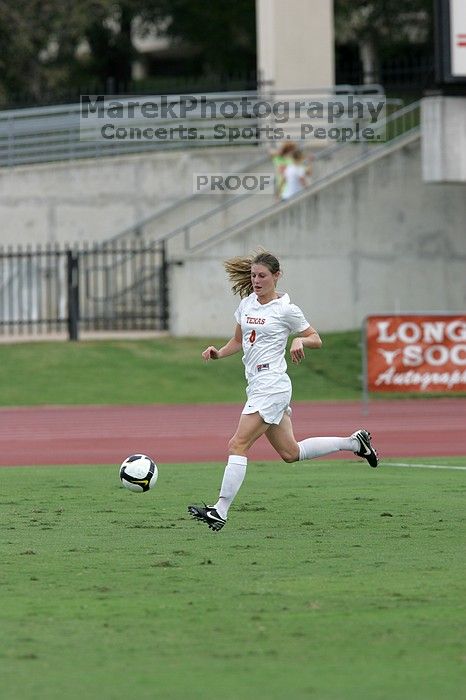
column 264, row 320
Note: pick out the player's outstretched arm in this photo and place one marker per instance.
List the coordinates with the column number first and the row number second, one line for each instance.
column 234, row 345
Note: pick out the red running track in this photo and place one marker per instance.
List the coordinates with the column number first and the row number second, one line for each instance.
column 107, row 434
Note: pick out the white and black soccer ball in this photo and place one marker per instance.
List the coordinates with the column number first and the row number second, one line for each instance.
column 139, row 473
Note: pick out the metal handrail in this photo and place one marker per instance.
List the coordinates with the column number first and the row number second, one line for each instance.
column 314, row 187
column 406, row 114
column 152, row 218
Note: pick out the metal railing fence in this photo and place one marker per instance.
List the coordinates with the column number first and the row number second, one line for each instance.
column 52, row 288
column 55, row 133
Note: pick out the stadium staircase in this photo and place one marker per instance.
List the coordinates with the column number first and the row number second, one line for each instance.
column 57, row 133
column 194, row 223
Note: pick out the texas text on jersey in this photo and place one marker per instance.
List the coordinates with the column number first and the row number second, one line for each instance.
column 265, row 329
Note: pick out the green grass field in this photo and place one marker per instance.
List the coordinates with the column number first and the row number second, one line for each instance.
column 354, row 592
column 165, row 370
column 331, row 581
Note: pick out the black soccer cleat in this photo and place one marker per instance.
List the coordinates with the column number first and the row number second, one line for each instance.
column 209, row 515
column 365, row 447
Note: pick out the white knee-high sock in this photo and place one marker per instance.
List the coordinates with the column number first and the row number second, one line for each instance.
column 233, row 477
column 319, row 446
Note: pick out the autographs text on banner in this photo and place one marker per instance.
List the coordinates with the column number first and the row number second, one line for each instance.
column 416, row 353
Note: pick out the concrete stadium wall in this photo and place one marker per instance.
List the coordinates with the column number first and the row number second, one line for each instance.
column 378, row 240
column 93, row 199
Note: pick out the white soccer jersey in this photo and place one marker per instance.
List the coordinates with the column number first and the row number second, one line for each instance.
column 265, row 329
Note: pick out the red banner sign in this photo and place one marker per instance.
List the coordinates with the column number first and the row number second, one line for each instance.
column 416, row 353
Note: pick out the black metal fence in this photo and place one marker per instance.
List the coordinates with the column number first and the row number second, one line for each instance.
column 409, row 73
column 52, row 288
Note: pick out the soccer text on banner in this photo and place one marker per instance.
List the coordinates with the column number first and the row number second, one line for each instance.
column 416, row 353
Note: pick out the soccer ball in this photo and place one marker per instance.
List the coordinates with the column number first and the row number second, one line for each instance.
column 138, row 473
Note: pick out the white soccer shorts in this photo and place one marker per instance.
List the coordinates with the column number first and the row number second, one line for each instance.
column 271, row 406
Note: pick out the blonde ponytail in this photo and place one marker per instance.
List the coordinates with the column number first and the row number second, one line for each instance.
column 239, row 270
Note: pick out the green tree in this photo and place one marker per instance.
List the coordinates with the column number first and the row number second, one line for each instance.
column 53, row 45
column 39, row 40
column 223, row 32
column 373, row 24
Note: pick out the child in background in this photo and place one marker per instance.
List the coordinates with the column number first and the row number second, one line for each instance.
column 281, row 159
column 294, row 175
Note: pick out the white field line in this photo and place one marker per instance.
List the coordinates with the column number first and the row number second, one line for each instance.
column 424, row 466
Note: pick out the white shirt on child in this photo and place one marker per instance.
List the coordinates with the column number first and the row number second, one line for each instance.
column 293, row 175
